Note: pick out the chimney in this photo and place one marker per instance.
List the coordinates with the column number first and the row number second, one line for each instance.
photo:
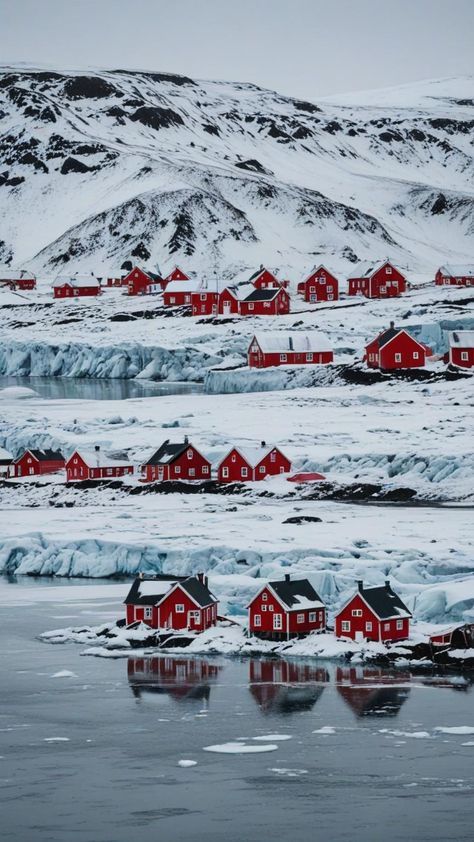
column 97, row 454
column 202, row 578
column 387, row 585
column 186, row 440
column 392, row 325
column 263, row 443
column 360, row 585
column 287, row 577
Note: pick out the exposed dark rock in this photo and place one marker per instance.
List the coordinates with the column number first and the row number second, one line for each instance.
column 332, row 127
column 156, row 117
column 73, row 165
column 141, row 252
column 303, row 519
column 88, row 87
column 29, row 159
column 211, row 129
column 301, row 105
column 390, row 135
column 253, row 166
column 440, row 204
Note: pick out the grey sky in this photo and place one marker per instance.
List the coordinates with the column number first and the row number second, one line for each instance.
column 308, row 48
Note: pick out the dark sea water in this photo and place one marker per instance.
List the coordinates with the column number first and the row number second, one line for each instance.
column 92, row 754
column 73, row 388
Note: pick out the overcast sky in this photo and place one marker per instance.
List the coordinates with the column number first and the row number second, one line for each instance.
column 307, row 48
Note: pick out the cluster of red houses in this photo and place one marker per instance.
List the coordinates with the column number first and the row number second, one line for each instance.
column 173, row 461
column 15, row 279
column 280, row 610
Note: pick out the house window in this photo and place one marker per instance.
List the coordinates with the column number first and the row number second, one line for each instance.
column 300, row 618
column 109, row 472
column 262, row 469
column 264, row 607
column 312, row 616
column 190, row 453
column 202, row 297
column 309, row 358
column 180, row 608
column 271, row 607
column 368, row 626
column 277, row 622
column 398, row 358
column 330, row 296
column 205, row 469
column 266, row 305
column 345, row 626
column 415, row 355
column 147, row 614
column 257, row 620
column 312, row 289
column 273, row 457
column 250, row 306
column 234, row 457
column 357, row 612
column 464, row 356
column 244, row 472
column 388, row 270
column 225, row 472
column 192, row 472
column 172, row 299
column 177, row 469
column 264, row 597
column 386, row 626
column 321, row 280
column 75, row 461
column 399, row 625
column 283, row 358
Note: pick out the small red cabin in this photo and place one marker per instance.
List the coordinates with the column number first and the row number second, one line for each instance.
column 141, row 282
column 6, row 462
column 76, row 285
column 183, row 603
column 37, row 462
column 250, row 465
column 229, row 302
column 320, row 285
column 395, row 348
column 376, row 280
column 266, row 302
column 281, row 348
column 285, row 609
column 113, row 278
column 205, row 303
column 17, row 278
column 84, row 465
column 461, row 348
column 373, row 614
column 179, row 293
column 176, row 274
column 460, row 276
column 176, row 461
column 264, row 279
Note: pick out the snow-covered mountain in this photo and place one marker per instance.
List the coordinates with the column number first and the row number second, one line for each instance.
column 220, row 176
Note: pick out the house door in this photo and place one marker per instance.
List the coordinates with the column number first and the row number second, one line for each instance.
column 214, row 309
column 226, row 308
column 277, row 622
column 359, row 636
column 160, row 473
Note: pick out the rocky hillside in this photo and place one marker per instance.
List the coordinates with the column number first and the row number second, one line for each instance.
column 220, row 176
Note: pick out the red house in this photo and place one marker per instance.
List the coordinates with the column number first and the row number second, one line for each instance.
column 373, row 614
column 113, row 278
column 320, row 285
column 205, row 303
column 179, row 293
column 460, row 276
column 381, row 280
column 177, row 604
column 281, row 348
column 250, row 465
column 229, row 301
column 76, row 285
column 264, row 279
column 395, row 348
column 6, row 462
column 94, row 464
column 176, row 461
column 176, row 274
column 37, row 462
column 461, row 348
column 141, row 282
column 266, row 302
column 286, row 608
column 17, row 278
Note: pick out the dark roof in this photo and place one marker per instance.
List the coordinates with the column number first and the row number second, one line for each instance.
column 263, row 294
column 167, row 453
column 191, row 584
column 46, row 455
column 384, row 602
column 154, row 275
column 288, row 591
column 387, row 335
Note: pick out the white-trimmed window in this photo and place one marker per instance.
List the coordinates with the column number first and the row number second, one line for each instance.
column 244, row 472
column 187, row 299
column 464, row 356
column 322, row 280
column 148, row 614
column 172, row 299
column 109, row 472
column 271, row 607
column 180, row 608
column 190, row 453
column 416, row 355
column 251, row 306
column 386, row 626
column 309, row 358
column 177, row 469
column 357, row 612
column 283, row 358
column 388, row 270
column 398, row 358
column 312, row 289
column 368, row 626
column 225, row 472
column 264, row 607
column 312, row 616
column 262, row 469
column 205, row 469
column 273, row 456
column 277, row 621
column 257, row 620
column 399, row 625
column 264, row 597
column 192, row 472
column 345, row 626
column 202, row 297
column 300, row 618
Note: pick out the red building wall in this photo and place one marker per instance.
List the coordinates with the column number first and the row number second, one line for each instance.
column 25, row 283
column 387, row 282
column 277, row 307
column 451, row 280
column 229, row 305
column 456, row 357
column 402, row 352
column 266, row 280
column 68, row 291
column 167, row 615
column 238, row 469
column 320, row 286
column 177, row 299
column 177, row 275
column 191, row 465
column 205, row 303
column 77, row 469
column 266, row 607
column 384, row 630
column 137, row 281
column 27, row 465
column 259, row 359
column 273, row 463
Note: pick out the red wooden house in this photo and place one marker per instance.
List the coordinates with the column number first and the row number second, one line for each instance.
column 179, row 293
column 218, row 300
column 395, row 348
column 176, row 274
column 37, row 462
column 461, row 348
column 379, row 280
column 113, row 278
column 250, row 465
column 229, row 301
column 320, row 285
column 461, row 276
column 282, row 348
column 17, row 278
column 83, row 465
column 177, row 604
column 285, row 609
column 176, row 461
column 76, row 285
column 264, row 279
column 266, row 302
column 6, row 462
column 373, row 614
column 205, row 303
column 141, row 282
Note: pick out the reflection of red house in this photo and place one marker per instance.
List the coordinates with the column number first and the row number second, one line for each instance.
column 286, row 608
column 373, row 614
column 461, row 276
column 184, row 679
column 320, row 285
column 250, row 465
column 176, row 604
column 176, row 461
column 285, row 687
column 461, row 348
column 141, row 282
column 381, row 280
column 36, row 463
column 84, row 464
column 360, row 688
column 395, row 348
column 283, row 348
column 266, row 302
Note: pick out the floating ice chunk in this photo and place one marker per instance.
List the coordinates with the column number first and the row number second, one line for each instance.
column 56, row 739
column 469, row 743
column 289, row 773
column 185, row 764
column 64, row 674
column 276, row 738
column 240, row 748
column 456, row 729
column 326, row 729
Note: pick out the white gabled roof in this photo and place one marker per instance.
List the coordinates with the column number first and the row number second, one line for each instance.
column 98, row 459
column 252, row 455
column 316, row 269
column 458, row 270
column 184, row 286
column 367, row 268
column 77, row 281
column 281, row 342
column 8, row 274
column 461, row 339
column 4, row 454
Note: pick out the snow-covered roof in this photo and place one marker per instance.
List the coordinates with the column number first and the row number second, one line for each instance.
column 457, row 270
column 315, row 269
column 98, row 459
column 461, row 339
column 109, row 272
column 366, row 268
column 283, row 341
column 4, row 455
column 184, row 286
column 152, row 587
column 7, row 274
column 77, row 281
column 252, row 455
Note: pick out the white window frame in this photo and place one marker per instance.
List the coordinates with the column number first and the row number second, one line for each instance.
column 416, row 355
column 368, row 626
column 398, row 358
column 257, row 620
column 345, row 625
column 177, row 469
column 277, row 622
column 261, row 469
column 309, row 358
column 399, row 625
column 225, row 471
column 388, row 270
column 263, row 607
column 205, row 469
column 179, row 608
column 192, row 472
column 244, row 472
column 464, row 356
column 148, row 613
column 300, row 618
column 264, row 597
column 386, row 626
column 312, row 617
column 357, row 612
column 283, row 358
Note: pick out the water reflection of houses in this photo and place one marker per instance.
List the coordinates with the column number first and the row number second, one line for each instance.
column 284, row 686
column 182, row 679
column 372, row 691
